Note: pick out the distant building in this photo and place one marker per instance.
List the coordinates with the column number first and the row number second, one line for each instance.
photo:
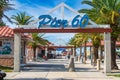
column 7, row 46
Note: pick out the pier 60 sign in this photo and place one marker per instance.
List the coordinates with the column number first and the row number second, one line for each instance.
column 54, row 22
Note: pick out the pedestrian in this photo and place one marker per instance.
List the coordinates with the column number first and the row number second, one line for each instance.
column 68, row 56
column 82, row 57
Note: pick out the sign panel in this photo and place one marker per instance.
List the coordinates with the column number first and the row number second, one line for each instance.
column 54, row 22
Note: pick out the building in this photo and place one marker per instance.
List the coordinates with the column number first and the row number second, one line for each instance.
column 7, row 46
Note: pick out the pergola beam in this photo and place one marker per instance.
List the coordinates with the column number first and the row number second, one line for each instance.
column 81, row 30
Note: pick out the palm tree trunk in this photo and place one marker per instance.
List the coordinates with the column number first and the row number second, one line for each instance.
column 80, row 53
column 80, row 50
column 113, row 54
column 95, row 55
column 1, row 21
column 34, row 55
column 101, row 53
column 75, row 51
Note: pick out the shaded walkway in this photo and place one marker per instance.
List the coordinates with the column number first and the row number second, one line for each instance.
column 57, row 70
column 44, row 68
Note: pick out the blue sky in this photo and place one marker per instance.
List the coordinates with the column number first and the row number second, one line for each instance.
column 38, row 7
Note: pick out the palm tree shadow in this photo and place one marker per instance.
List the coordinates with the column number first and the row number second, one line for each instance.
column 44, row 68
column 86, row 70
column 39, row 79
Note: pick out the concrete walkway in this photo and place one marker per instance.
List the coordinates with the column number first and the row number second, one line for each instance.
column 57, row 70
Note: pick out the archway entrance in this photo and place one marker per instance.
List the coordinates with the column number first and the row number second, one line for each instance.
column 61, row 26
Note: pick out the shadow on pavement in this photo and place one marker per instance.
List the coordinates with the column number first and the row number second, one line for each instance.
column 85, row 70
column 52, row 68
column 44, row 68
column 39, row 79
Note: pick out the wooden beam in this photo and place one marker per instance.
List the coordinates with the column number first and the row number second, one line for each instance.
column 82, row 30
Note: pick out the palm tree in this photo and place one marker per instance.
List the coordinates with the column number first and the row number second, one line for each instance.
column 78, row 40
column 38, row 40
column 21, row 18
column 83, row 38
column 4, row 6
column 96, row 41
column 72, row 41
column 106, row 12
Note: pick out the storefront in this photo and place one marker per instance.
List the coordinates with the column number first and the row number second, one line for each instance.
column 7, row 46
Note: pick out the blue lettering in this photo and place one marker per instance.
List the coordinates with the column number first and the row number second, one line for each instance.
column 84, row 21
column 43, row 20
column 59, row 22
column 64, row 23
column 53, row 23
column 75, row 21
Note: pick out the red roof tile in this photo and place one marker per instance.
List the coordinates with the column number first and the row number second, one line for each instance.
column 102, row 43
column 8, row 32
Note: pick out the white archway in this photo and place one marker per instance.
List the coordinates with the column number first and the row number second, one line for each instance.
column 92, row 26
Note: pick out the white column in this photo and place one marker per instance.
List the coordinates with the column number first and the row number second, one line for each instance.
column 71, row 65
column 98, row 64
column 46, row 51
column 62, row 11
column 17, row 51
column 37, row 53
column 107, row 53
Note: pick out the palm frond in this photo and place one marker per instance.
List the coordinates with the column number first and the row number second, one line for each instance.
column 7, row 18
column 89, row 3
column 22, row 19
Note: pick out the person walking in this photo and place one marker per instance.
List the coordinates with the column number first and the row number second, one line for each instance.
column 82, row 58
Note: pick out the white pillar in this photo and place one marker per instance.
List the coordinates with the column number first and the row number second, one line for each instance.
column 62, row 11
column 72, row 59
column 71, row 67
column 37, row 53
column 107, row 53
column 98, row 64
column 46, row 51
column 17, row 51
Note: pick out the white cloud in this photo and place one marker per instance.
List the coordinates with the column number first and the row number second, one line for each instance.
column 59, row 38
column 38, row 10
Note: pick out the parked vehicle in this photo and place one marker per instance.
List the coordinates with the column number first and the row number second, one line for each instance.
column 2, row 75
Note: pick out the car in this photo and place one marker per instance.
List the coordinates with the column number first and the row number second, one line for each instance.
column 2, row 74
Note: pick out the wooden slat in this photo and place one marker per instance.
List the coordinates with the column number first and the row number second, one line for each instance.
column 85, row 30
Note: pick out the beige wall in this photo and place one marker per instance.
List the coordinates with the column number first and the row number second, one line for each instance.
column 29, row 54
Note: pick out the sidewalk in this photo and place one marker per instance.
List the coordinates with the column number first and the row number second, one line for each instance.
column 83, row 72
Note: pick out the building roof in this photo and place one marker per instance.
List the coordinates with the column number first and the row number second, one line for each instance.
column 6, row 31
column 102, row 43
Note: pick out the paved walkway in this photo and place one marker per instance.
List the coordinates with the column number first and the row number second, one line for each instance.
column 57, row 70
